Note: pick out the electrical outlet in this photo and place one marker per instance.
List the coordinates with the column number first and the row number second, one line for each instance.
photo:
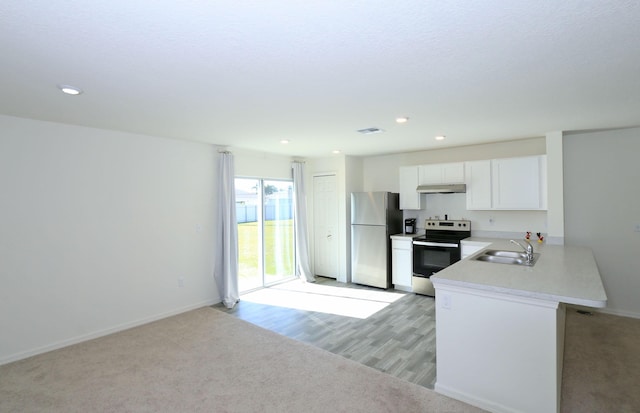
column 446, row 301
column 636, row 228
column 491, row 221
column 180, row 281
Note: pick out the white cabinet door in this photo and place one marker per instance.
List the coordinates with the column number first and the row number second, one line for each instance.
column 430, row 174
column 401, row 263
column 516, row 183
column 453, row 173
column 409, row 197
column 478, row 180
column 510, row 183
column 442, row 173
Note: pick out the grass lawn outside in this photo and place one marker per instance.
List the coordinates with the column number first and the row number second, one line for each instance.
column 279, row 252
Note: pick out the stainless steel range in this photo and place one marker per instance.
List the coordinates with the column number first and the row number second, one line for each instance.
column 439, row 248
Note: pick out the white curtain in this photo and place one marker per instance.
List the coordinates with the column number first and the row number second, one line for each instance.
column 303, row 269
column 226, row 264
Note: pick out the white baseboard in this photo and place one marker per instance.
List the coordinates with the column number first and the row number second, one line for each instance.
column 472, row 400
column 104, row 332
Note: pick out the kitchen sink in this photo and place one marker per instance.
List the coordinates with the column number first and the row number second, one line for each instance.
column 507, row 257
column 509, row 254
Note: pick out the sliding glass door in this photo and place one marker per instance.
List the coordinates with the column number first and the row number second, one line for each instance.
column 264, row 210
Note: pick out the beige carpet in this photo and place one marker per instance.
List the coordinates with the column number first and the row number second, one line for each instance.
column 206, row 361
column 601, row 364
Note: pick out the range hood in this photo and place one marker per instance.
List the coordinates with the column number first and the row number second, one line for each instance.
column 441, row 188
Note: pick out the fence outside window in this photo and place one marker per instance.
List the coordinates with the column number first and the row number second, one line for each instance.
column 280, row 210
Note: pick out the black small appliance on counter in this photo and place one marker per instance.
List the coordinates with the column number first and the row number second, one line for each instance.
column 410, row 226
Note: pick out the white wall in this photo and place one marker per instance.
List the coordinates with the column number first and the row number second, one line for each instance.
column 555, row 188
column 96, row 227
column 381, row 174
column 253, row 164
column 602, row 209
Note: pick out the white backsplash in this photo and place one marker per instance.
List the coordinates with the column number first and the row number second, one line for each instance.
column 498, row 224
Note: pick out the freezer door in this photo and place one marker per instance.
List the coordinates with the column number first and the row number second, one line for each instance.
column 368, row 208
column 369, row 260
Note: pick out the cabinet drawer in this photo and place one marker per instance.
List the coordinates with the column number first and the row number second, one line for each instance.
column 401, row 244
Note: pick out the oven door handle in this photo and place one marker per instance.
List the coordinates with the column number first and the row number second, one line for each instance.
column 435, row 244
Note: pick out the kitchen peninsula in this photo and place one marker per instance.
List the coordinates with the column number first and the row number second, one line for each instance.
column 500, row 327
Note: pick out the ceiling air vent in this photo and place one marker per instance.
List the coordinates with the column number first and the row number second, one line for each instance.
column 369, row 131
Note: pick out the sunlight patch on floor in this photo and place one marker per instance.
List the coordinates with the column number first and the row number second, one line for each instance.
column 348, row 302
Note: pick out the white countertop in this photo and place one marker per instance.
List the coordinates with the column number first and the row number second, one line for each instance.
column 562, row 273
column 405, row 236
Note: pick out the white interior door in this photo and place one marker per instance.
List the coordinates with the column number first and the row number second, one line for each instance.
column 325, row 224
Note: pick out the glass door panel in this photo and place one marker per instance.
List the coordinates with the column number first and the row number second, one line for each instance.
column 248, row 215
column 278, row 231
column 264, row 211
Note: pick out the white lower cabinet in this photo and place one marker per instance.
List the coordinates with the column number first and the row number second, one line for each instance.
column 402, row 263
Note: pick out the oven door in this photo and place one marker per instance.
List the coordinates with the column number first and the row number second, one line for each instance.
column 431, row 257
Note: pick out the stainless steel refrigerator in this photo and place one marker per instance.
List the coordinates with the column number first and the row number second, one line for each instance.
column 375, row 216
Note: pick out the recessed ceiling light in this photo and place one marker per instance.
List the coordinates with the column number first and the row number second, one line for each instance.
column 70, row 90
column 402, row 119
column 335, row 151
column 440, row 138
column 284, row 141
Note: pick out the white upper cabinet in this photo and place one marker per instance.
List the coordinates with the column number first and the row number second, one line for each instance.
column 453, row 173
column 492, row 184
column 442, row 173
column 430, row 174
column 517, row 183
column 409, row 197
column 478, row 180
column 509, row 184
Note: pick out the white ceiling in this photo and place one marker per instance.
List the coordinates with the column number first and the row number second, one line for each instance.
column 247, row 74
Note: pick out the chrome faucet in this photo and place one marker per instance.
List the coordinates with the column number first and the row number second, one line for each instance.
column 528, row 249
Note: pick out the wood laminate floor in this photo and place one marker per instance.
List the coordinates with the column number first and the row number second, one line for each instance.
column 391, row 331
